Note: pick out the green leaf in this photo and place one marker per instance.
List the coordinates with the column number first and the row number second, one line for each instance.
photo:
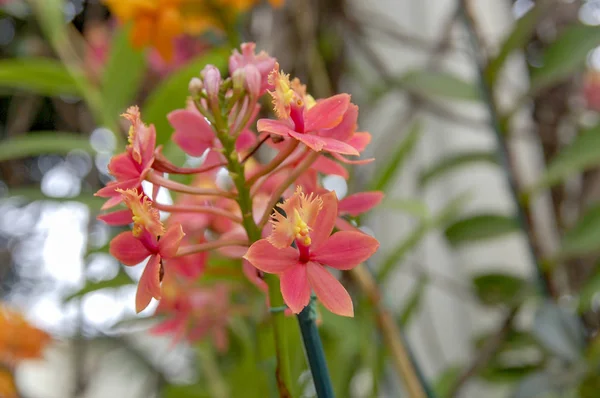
column 497, row 289
column 42, row 142
column 439, row 84
column 517, row 39
column 397, row 159
column 413, row 207
column 581, row 154
column 123, row 73
column 42, row 76
column 446, row 381
column 566, row 55
column 480, row 227
column 172, row 92
column 584, row 237
column 413, row 303
column 587, row 292
column 453, row 162
column 122, row 279
column 560, row 331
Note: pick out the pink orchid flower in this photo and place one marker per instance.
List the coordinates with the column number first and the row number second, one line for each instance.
column 131, row 167
column 194, row 312
column 302, row 118
column 147, row 239
column 263, row 63
column 308, row 223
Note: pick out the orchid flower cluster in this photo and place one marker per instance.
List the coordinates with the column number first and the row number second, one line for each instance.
column 274, row 216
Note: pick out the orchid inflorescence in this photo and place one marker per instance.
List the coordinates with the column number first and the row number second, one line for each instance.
column 274, row 216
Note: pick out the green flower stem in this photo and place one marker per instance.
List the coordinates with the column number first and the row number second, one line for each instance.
column 236, row 171
column 314, row 351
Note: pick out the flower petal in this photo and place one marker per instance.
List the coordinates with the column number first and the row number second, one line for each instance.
column 128, row 249
column 359, row 203
column 267, row 258
column 327, row 166
column 149, row 285
column 345, row 250
column 347, row 126
column 295, row 288
column 169, row 242
column 336, row 146
column 325, row 220
column 123, row 167
column 192, row 132
column 119, row 217
column 327, row 113
column 360, row 140
column 329, row 290
column 312, row 141
column 348, row 161
column 245, row 141
column 273, row 126
column 344, row 225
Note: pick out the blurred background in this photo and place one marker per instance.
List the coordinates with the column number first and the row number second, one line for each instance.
column 486, row 134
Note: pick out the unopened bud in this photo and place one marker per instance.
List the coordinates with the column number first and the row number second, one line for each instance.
column 253, row 80
column 195, row 86
column 238, row 78
column 212, row 81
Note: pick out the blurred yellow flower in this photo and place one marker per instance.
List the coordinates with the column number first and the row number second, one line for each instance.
column 157, row 23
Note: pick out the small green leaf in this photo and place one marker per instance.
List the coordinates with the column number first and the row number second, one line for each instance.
column 123, row 73
column 122, row 279
column 584, row 237
column 397, row 159
column 439, row 84
column 587, row 292
column 171, row 93
column 42, row 142
column 480, row 227
column 516, row 40
column 581, row 154
column 451, row 163
column 497, row 289
column 42, row 76
column 566, row 55
column 413, row 303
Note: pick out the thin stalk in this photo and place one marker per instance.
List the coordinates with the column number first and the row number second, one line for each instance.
column 182, row 188
column 503, row 153
column 314, row 351
column 272, row 165
column 202, row 247
column 216, row 211
column 302, row 167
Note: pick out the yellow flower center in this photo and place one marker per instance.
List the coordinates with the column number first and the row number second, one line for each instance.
column 144, row 215
column 301, row 229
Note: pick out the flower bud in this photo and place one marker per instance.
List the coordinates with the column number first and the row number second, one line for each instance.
column 212, row 82
column 238, row 77
column 253, row 80
column 195, row 86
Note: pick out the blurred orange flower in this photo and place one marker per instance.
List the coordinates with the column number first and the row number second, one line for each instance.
column 7, row 385
column 157, row 23
column 18, row 339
